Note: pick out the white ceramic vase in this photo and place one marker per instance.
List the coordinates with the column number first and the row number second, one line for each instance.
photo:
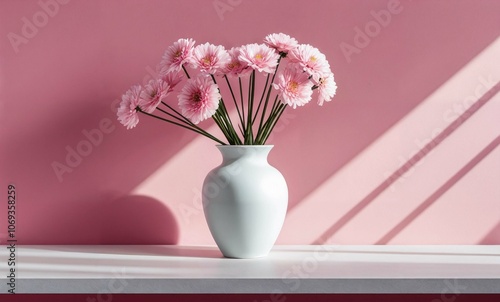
column 245, row 201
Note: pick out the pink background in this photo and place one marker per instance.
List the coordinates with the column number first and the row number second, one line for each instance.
column 401, row 156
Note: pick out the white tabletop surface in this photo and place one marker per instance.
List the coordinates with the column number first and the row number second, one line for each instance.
column 288, row 269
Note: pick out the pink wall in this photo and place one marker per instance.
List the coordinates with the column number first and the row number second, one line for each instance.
column 402, row 156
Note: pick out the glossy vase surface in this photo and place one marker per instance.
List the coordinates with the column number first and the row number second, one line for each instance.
column 245, row 201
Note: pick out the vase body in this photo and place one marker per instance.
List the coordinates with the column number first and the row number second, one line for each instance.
column 245, row 201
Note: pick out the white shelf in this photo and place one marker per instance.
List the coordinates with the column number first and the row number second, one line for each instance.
column 288, row 269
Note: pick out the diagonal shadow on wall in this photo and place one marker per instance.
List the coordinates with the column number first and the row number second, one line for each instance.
column 439, row 192
column 407, row 166
column 493, row 236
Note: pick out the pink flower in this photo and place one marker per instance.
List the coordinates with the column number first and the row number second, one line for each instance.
column 210, row 58
column 172, row 78
column 281, row 42
column 178, row 54
column 294, row 86
column 199, row 99
column 326, row 88
column 236, row 67
column 127, row 112
column 259, row 57
column 153, row 93
column 310, row 60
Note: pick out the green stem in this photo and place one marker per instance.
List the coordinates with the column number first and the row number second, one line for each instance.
column 275, row 104
column 226, row 118
column 241, row 130
column 251, row 91
column 184, row 119
column 171, row 115
column 234, row 98
column 269, row 94
column 228, row 128
column 242, row 105
column 178, row 113
column 185, row 71
column 222, row 127
column 183, row 126
column 261, row 98
column 259, row 132
column 268, row 123
column 281, row 109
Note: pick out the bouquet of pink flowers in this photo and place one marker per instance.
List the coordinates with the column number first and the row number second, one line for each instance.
column 306, row 69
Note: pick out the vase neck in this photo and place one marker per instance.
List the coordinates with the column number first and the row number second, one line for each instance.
column 232, row 153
